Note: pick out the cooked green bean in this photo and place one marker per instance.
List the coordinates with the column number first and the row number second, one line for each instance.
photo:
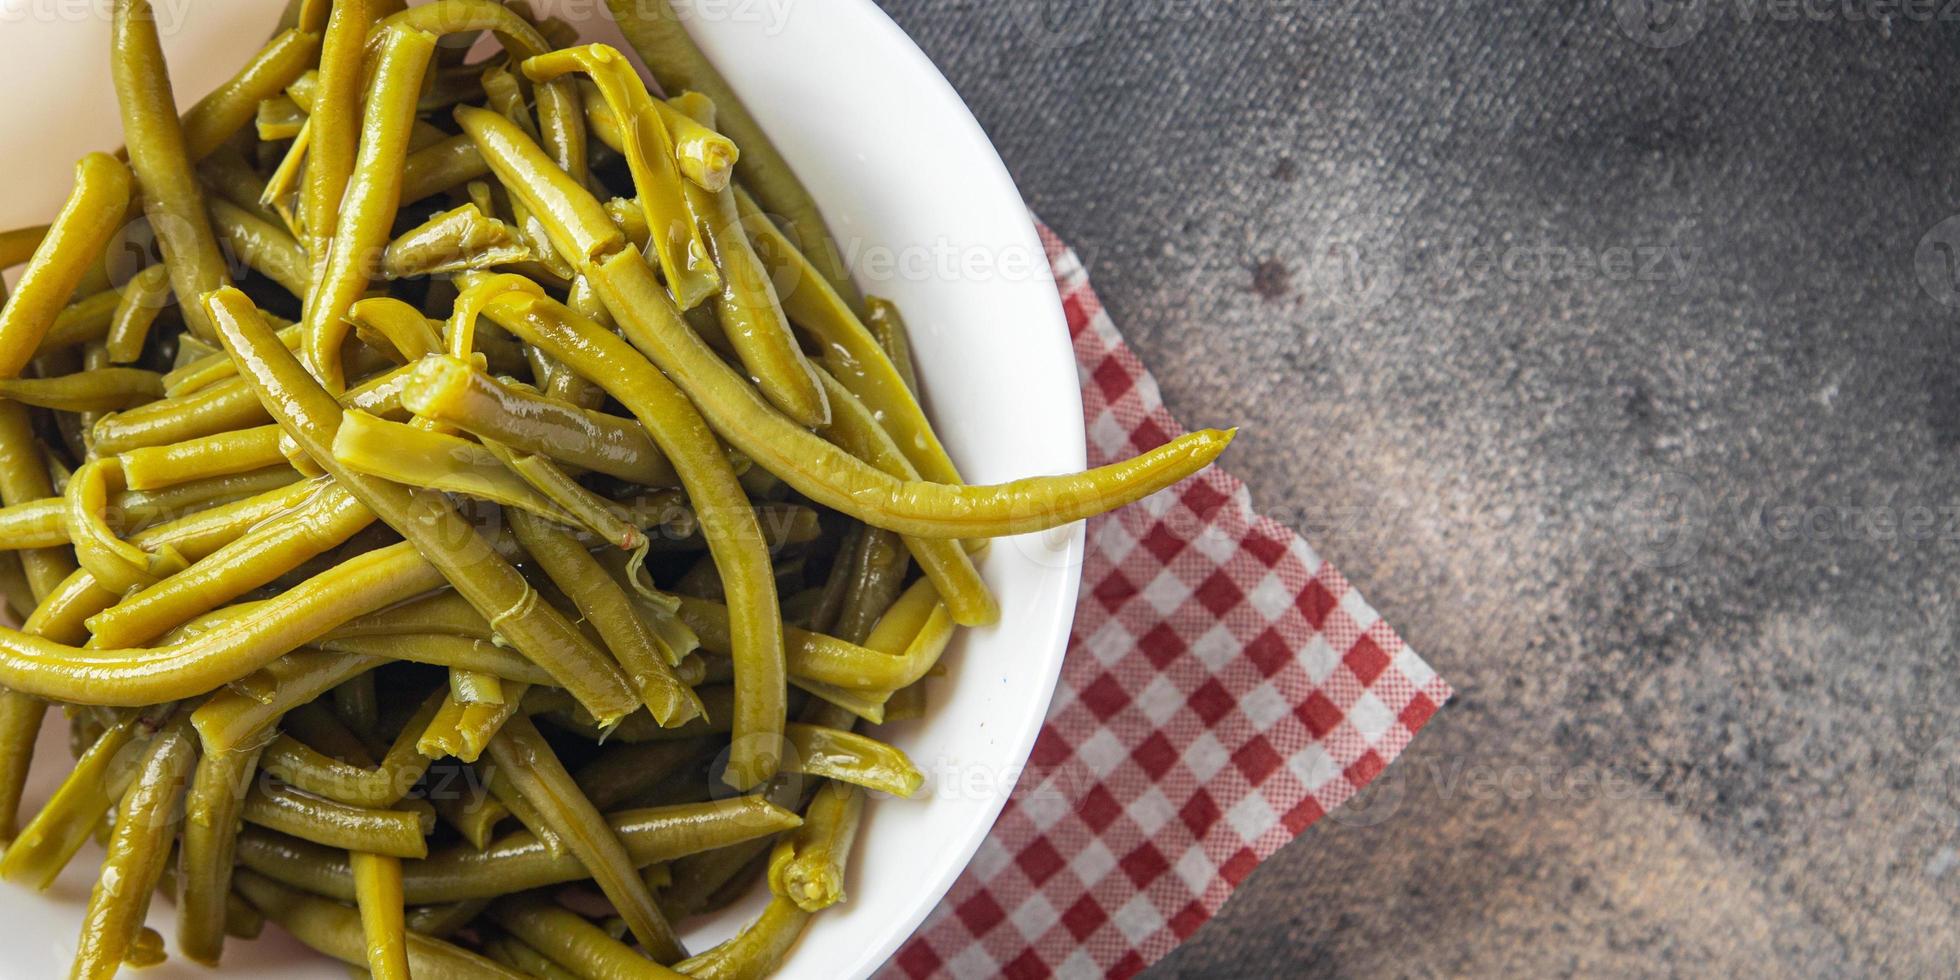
column 219, row 407
column 654, row 30
column 757, row 950
column 78, row 806
column 279, row 118
column 223, row 454
column 333, row 132
column 887, row 326
column 412, row 456
column 518, row 955
column 648, row 661
column 138, row 847
column 452, row 241
column 20, row 725
column 807, row 865
column 443, row 920
column 440, row 167
column 211, row 821
column 572, row 941
column 322, row 821
column 491, row 585
column 685, row 262
column 173, row 200
column 527, row 760
column 264, row 247
column 447, row 390
column 24, row 481
column 231, row 105
column 829, row 660
column 856, row 430
column 231, row 178
column 203, row 371
column 706, row 157
column 734, row 539
column 76, row 239
column 143, row 298
column 382, row 785
column 378, row 895
column 17, row 245
column 118, row 565
column 80, row 322
column 852, row 758
column 99, row 390
column 336, row 931
column 750, row 314
column 623, row 772
column 600, row 517
column 442, row 650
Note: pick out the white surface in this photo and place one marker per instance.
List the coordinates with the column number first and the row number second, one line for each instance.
column 924, row 205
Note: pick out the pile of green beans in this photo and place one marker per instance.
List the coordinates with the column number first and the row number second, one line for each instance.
column 480, row 500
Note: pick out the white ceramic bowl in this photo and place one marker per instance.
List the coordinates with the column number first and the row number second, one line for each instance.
column 929, row 218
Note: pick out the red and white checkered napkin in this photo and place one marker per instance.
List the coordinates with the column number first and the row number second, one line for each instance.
column 1223, row 689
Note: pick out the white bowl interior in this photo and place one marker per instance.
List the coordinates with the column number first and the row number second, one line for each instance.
column 929, row 218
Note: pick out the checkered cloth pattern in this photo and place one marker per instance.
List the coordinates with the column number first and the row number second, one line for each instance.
column 1223, row 689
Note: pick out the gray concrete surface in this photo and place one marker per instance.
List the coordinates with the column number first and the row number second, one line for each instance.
column 1611, row 356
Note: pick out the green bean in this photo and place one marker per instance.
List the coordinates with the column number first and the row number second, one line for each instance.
column 145, row 950
column 856, row 430
column 279, row 118
column 518, row 955
column 410, row 455
column 230, row 106
column 211, row 821
column 526, row 758
column 645, row 657
column 452, row 241
column 807, row 864
column 829, row 660
column 334, row 129
column 834, row 479
column 368, row 194
column 728, row 522
column 229, row 177
column 876, row 574
column 142, row 298
column 442, row 650
column 201, row 372
column 850, row 350
column 447, row 390
column 440, row 167
column 887, row 326
column 443, row 612
column 220, row 407
column 118, row 565
column 173, row 200
column 394, row 832
column 138, row 847
column 428, row 522
column 23, row 480
column 85, row 320
column 378, row 895
column 100, row 390
column 852, row 758
column 378, row 786
column 576, row 223
column 472, row 811
column 50, row 840
column 232, row 718
column 597, row 515
column 17, row 245
column 654, row 31
column 750, row 314
column 398, row 325
column 690, row 271
column 442, row 920
column 717, row 719
column 623, row 772
column 76, row 239
column 572, row 941
column 20, row 602
column 336, row 931
column 474, row 726
column 263, row 246
column 223, row 454
column 143, row 508
column 20, row 725
column 757, row 950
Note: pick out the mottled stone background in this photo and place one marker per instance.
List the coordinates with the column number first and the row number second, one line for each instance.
column 1607, row 351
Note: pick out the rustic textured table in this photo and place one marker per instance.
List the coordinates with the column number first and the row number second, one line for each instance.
column 1609, row 349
